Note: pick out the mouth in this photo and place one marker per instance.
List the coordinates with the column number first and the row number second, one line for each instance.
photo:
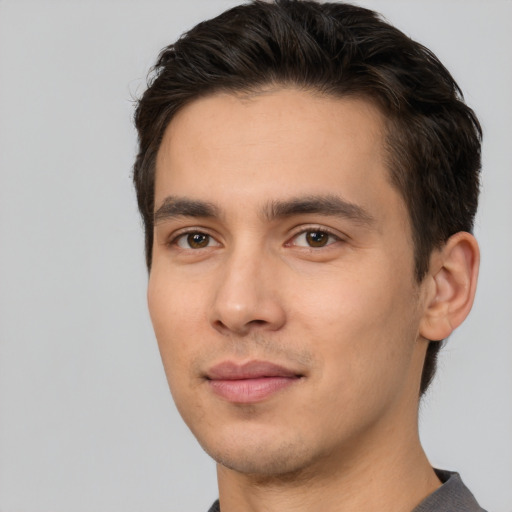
column 250, row 382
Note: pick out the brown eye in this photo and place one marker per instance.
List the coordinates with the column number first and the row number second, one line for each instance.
column 314, row 238
column 198, row 240
column 195, row 240
column 317, row 238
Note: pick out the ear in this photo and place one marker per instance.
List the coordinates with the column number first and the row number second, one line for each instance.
column 451, row 285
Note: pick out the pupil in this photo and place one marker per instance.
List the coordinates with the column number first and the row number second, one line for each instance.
column 197, row 240
column 316, row 238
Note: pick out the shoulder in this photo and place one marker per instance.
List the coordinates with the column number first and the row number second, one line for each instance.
column 215, row 507
column 452, row 496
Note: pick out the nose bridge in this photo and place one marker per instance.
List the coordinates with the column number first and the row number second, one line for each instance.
column 245, row 297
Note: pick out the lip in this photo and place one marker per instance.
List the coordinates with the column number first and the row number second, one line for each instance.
column 250, row 382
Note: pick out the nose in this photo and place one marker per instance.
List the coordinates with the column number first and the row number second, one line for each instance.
column 246, row 297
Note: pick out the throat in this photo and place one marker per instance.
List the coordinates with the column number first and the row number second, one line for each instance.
column 371, row 489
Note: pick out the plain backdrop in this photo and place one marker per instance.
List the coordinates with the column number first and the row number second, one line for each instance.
column 86, row 420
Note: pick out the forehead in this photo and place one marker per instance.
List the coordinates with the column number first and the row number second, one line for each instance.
column 272, row 144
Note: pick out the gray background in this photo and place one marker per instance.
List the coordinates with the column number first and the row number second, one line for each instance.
column 86, row 420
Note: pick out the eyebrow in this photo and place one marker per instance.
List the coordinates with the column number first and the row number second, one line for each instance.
column 328, row 205
column 173, row 207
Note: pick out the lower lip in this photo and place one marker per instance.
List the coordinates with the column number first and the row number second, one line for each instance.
column 247, row 391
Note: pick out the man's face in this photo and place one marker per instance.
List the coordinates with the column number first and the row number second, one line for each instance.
column 282, row 289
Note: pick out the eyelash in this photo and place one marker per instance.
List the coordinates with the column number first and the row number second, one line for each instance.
column 318, row 230
column 331, row 238
column 185, row 234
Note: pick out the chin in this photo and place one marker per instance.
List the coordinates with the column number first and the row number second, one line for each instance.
column 274, row 458
column 267, row 465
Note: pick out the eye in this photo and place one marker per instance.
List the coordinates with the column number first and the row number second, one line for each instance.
column 315, row 238
column 195, row 240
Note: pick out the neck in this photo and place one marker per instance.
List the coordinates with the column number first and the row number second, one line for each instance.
column 390, row 475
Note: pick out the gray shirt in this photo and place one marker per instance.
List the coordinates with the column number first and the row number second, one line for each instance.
column 452, row 496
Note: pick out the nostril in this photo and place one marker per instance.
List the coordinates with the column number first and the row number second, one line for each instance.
column 257, row 322
column 238, row 310
column 241, row 329
column 218, row 324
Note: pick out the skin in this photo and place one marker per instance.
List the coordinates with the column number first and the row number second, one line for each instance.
column 346, row 316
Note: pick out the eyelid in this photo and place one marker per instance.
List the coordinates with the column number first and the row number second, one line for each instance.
column 175, row 236
column 323, row 229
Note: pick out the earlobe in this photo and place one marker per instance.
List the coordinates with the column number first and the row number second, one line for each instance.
column 452, row 284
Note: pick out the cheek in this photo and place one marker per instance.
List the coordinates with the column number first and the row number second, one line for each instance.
column 175, row 314
column 361, row 327
column 350, row 301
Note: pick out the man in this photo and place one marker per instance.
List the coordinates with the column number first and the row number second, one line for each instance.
column 308, row 179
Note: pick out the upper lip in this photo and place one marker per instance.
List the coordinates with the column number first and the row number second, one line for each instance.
column 230, row 370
